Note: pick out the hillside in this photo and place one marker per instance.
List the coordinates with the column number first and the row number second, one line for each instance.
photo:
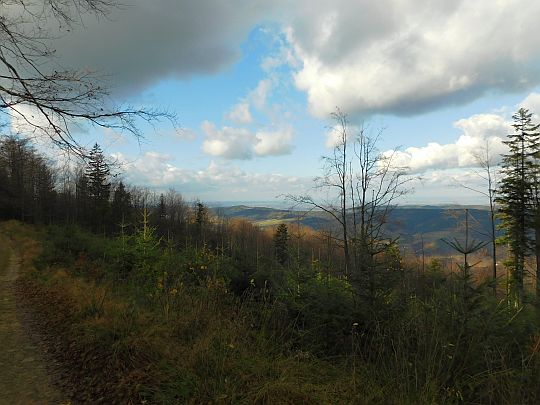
column 411, row 224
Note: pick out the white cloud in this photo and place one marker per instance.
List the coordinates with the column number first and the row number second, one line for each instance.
column 404, row 57
column 284, row 56
column 240, row 143
column 532, row 103
column 334, row 135
column 400, row 57
column 259, row 95
column 477, row 131
column 228, row 143
column 216, row 181
column 240, row 113
column 273, row 143
column 446, row 186
column 27, row 120
column 151, row 169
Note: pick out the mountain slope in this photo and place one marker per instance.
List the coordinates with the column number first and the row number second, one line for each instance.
column 410, row 223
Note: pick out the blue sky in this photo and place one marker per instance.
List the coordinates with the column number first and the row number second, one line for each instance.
column 253, row 85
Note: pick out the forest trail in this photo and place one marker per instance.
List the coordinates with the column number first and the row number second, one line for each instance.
column 23, row 375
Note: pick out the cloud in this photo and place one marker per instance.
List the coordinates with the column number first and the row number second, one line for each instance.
column 334, row 135
column 259, row 95
column 477, row 130
column 142, row 42
column 447, row 186
column 532, row 103
column 240, row 113
column 399, row 57
column 228, row 143
column 284, row 56
column 151, row 169
column 273, row 143
column 29, row 121
column 411, row 56
column 242, row 144
column 216, row 181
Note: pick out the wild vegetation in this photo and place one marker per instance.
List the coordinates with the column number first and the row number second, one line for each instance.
column 149, row 298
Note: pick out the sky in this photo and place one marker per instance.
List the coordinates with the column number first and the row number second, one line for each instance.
column 254, row 83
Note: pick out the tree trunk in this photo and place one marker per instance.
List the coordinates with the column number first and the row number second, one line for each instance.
column 537, row 254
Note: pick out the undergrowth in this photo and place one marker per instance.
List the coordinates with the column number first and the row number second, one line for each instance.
column 169, row 325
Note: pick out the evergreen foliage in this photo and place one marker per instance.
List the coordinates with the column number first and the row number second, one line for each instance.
column 97, row 174
column 281, row 244
column 516, row 194
column 201, row 214
column 191, row 308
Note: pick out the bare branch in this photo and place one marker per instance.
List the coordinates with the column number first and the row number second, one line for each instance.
column 53, row 103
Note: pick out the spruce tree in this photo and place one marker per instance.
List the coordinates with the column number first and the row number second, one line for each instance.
column 97, row 173
column 515, row 195
column 281, row 244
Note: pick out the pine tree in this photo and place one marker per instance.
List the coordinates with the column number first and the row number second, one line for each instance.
column 97, row 173
column 281, row 244
column 516, row 195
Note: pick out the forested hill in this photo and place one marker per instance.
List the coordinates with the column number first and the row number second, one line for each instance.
column 411, row 222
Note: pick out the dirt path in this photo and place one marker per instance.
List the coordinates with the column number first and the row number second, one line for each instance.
column 23, row 376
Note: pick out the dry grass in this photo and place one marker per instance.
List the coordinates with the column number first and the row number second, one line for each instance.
column 200, row 344
column 204, row 351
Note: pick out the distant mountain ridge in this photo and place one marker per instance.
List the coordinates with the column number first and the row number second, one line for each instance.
column 412, row 224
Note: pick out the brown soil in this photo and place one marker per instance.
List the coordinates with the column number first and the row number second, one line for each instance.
column 25, row 375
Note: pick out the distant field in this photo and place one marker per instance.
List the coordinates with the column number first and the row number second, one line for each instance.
column 273, row 222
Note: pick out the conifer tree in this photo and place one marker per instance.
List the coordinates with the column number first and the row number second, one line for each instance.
column 201, row 215
column 97, row 173
column 201, row 220
column 516, row 194
column 121, row 206
column 281, row 244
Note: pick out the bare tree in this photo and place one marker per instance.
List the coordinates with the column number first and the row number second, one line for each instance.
column 488, row 172
column 336, row 180
column 486, row 162
column 52, row 102
column 361, row 186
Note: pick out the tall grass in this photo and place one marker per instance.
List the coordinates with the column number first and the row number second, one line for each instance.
column 165, row 326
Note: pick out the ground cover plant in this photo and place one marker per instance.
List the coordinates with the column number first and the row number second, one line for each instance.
column 169, row 328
